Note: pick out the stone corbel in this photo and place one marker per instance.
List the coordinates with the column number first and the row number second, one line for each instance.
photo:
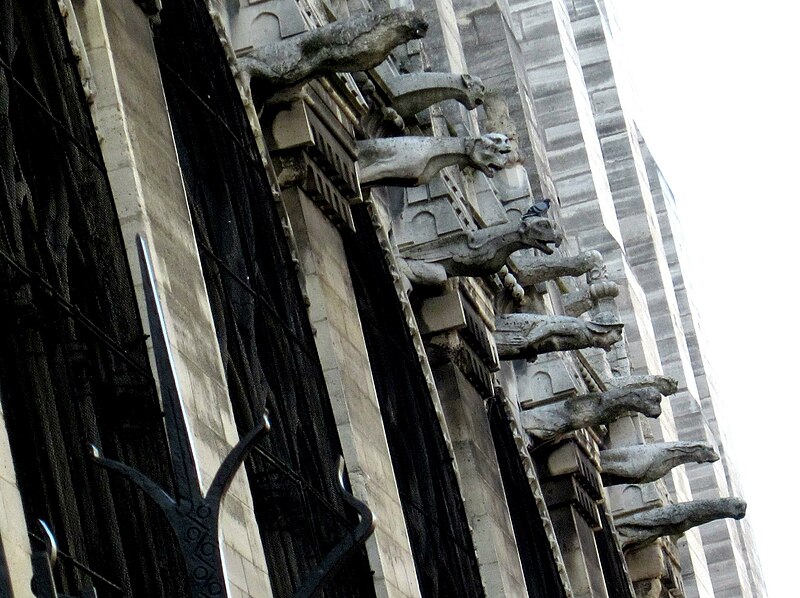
column 414, row 92
column 650, row 462
column 532, row 270
column 414, row 161
column 598, row 293
column 526, row 335
column 552, row 420
column 643, row 528
column 348, row 45
column 476, row 253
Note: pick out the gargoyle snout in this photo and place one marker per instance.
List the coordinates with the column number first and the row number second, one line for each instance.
column 420, row 26
column 648, row 402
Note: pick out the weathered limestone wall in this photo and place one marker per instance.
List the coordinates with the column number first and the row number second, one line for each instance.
column 564, row 113
column 13, row 531
column 345, row 365
column 136, row 140
column 484, row 497
column 579, row 549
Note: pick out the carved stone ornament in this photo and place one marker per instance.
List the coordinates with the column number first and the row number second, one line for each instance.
column 580, row 301
column 598, row 408
column 414, row 92
column 414, row 161
column 641, row 529
column 348, row 45
column 533, row 270
column 525, row 335
column 476, row 253
column 650, row 462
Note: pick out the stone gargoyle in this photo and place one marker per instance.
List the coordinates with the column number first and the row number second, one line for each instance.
column 348, row 45
column 643, row 528
column 476, row 253
column 650, row 462
column 526, row 335
column 535, row 269
column 414, row 161
column 414, row 92
column 552, row 420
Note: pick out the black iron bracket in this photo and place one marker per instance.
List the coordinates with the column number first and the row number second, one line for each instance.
column 43, row 584
column 193, row 516
column 338, row 555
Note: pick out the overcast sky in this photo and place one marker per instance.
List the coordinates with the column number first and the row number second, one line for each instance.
column 715, row 86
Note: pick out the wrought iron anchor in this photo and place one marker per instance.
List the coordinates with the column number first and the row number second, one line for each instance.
column 337, row 556
column 193, row 516
column 43, row 584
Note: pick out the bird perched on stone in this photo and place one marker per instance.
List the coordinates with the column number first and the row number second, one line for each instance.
column 538, row 209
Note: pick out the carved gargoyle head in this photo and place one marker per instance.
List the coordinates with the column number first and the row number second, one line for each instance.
column 475, row 90
column 701, row 452
column 540, row 233
column 666, row 385
column 646, row 401
column 606, row 329
column 400, row 26
column 490, row 153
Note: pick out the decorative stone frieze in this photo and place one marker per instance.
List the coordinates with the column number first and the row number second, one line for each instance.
column 349, row 45
column 414, row 161
column 526, row 335
column 650, row 462
column 476, row 253
column 533, row 270
column 556, row 419
column 414, row 92
column 643, row 528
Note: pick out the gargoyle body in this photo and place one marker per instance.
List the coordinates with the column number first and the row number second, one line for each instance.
column 540, row 268
column 415, row 92
column 555, row 419
column 477, row 253
column 348, row 45
column 641, row 529
column 526, row 335
column 650, row 462
column 414, row 161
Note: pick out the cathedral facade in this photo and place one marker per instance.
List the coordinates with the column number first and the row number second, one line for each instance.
column 346, row 298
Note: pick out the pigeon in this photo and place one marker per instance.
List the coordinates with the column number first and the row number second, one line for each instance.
column 538, row 209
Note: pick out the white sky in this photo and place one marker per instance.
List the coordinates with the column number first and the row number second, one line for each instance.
column 716, row 96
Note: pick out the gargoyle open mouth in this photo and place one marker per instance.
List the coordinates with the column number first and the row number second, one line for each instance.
column 544, row 246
